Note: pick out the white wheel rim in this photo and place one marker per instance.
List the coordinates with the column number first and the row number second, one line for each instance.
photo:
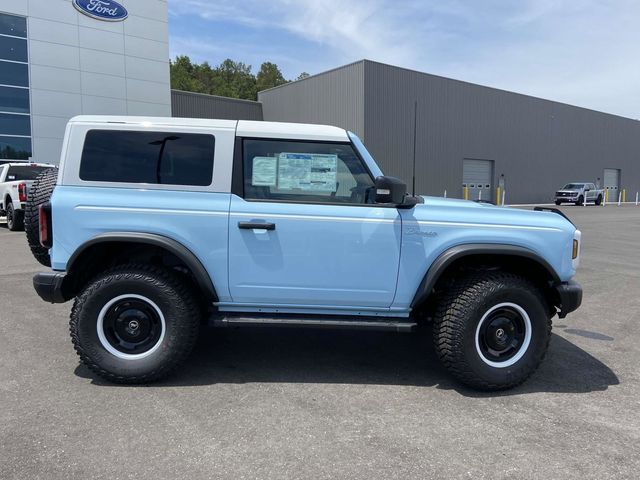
column 525, row 344
column 116, row 353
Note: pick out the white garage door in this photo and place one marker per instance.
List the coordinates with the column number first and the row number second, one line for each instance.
column 477, row 176
column 612, row 183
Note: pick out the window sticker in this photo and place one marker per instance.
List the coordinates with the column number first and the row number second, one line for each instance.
column 306, row 171
column 264, row 171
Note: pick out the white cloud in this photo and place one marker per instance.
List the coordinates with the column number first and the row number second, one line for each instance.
column 577, row 51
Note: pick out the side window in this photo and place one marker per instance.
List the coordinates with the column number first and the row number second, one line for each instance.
column 310, row 172
column 166, row 158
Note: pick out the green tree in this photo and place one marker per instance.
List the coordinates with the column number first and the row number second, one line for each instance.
column 183, row 76
column 269, row 76
column 235, row 80
column 302, row 76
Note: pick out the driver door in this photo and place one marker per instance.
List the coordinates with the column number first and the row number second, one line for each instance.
column 304, row 231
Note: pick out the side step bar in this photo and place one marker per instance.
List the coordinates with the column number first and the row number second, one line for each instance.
column 354, row 323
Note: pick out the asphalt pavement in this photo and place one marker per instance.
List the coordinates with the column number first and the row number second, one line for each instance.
column 293, row 403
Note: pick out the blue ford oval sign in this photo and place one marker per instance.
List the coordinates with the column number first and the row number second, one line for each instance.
column 106, row 10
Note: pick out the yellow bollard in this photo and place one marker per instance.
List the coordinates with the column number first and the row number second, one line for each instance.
column 606, row 196
column 498, row 196
column 624, row 195
column 466, row 193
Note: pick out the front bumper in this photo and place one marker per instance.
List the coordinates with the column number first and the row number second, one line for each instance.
column 50, row 286
column 567, row 199
column 570, row 297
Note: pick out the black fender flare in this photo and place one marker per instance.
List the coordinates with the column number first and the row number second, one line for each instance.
column 446, row 258
column 202, row 277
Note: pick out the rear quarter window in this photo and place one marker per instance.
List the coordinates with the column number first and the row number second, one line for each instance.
column 163, row 158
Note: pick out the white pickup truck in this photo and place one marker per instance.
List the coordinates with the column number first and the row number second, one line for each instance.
column 15, row 180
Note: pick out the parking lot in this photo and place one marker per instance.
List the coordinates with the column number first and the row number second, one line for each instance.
column 276, row 403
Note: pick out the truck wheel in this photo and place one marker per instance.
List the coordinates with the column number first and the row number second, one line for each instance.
column 15, row 218
column 580, row 200
column 134, row 324
column 492, row 330
column 39, row 193
column 599, row 200
column 558, row 202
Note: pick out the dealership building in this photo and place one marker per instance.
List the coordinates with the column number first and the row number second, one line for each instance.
column 61, row 58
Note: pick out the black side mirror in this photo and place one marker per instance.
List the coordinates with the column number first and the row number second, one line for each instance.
column 390, row 190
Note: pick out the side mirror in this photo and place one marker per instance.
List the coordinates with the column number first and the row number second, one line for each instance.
column 390, row 190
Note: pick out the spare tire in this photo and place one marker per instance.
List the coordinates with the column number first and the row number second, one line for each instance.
column 39, row 193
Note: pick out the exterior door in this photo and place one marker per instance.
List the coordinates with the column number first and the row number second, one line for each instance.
column 477, row 176
column 304, row 232
column 612, row 184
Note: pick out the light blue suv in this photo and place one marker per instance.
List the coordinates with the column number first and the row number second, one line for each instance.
column 159, row 224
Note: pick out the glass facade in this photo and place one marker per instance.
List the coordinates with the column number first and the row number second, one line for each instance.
column 15, row 111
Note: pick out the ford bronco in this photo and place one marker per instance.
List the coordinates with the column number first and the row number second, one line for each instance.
column 156, row 225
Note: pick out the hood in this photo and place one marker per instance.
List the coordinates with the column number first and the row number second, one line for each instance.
column 468, row 212
column 567, row 191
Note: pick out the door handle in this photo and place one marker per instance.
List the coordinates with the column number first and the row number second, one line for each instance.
column 256, row 226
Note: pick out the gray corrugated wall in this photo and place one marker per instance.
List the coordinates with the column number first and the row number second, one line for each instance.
column 538, row 144
column 198, row 105
column 335, row 98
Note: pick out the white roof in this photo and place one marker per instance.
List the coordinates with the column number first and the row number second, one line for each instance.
column 245, row 128
column 302, row 131
column 169, row 121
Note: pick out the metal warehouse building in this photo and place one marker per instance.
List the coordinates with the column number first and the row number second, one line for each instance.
column 465, row 134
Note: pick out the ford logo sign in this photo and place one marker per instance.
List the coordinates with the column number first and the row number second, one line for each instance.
column 106, row 10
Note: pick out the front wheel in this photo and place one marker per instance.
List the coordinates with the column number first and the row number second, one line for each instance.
column 558, row 202
column 580, row 200
column 492, row 330
column 134, row 324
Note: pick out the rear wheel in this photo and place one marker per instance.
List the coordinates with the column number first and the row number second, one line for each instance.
column 134, row 324
column 39, row 193
column 15, row 218
column 599, row 200
column 492, row 330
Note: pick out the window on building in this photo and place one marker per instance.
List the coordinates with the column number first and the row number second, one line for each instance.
column 167, row 158
column 309, row 172
column 15, row 118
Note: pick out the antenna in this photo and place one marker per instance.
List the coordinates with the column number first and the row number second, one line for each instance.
column 415, row 130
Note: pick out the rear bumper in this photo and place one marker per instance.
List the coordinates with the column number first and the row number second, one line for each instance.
column 49, row 286
column 570, row 296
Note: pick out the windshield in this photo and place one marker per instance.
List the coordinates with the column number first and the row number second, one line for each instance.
column 28, row 172
column 571, row 186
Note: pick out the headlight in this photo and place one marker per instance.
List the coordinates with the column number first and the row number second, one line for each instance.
column 575, row 254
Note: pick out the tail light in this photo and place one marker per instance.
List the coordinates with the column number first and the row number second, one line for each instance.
column 46, row 230
column 22, row 192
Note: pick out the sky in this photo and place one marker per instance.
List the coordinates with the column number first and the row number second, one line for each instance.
column 581, row 52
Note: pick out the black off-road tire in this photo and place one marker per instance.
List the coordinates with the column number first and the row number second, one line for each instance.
column 599, row 200
column 182, row 318
column 39, row 193
column 456, row 325
column 580, row 200
column 15, row 218
column 558, row 203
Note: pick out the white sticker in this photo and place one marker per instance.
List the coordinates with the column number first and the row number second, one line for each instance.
column 307, row 171
column 264, row 171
